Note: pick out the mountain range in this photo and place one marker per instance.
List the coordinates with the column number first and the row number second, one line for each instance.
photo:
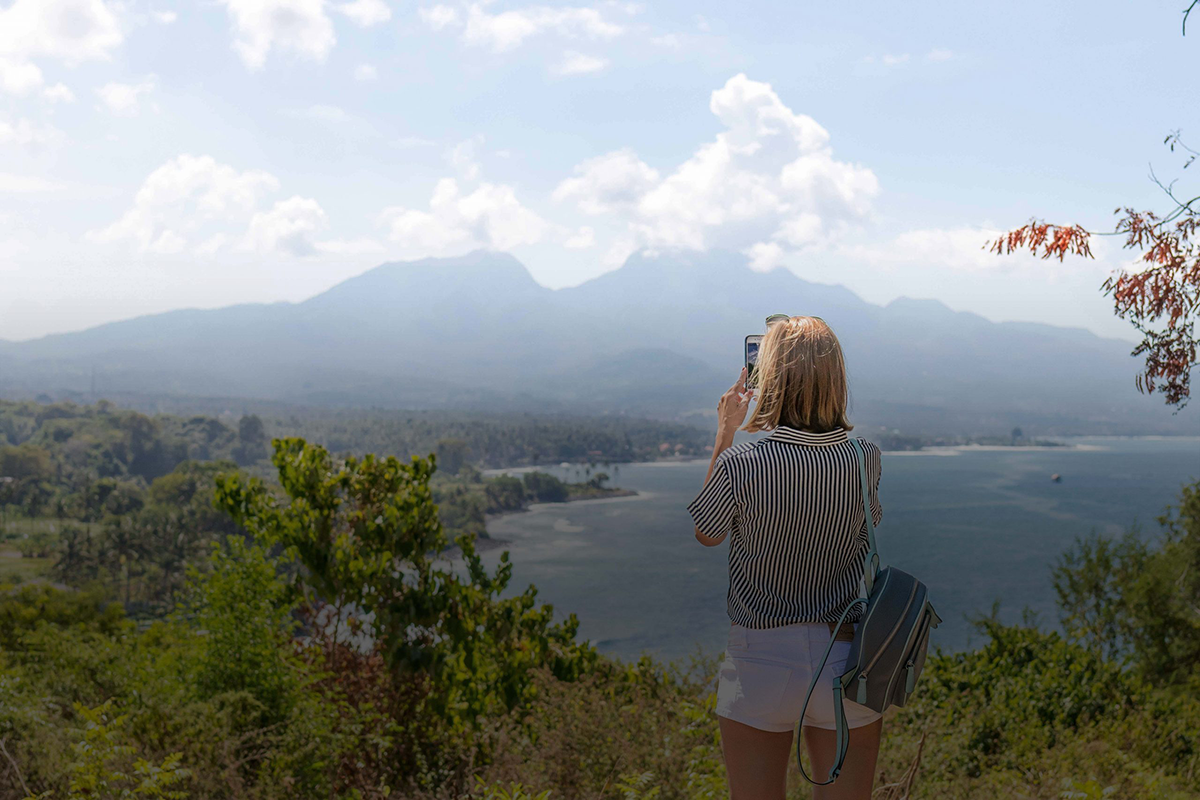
column 661, row 336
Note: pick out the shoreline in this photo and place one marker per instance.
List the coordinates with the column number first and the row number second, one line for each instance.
column 927, row 450
column 491, row 543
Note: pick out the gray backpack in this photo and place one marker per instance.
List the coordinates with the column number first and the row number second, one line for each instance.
column 889, row 645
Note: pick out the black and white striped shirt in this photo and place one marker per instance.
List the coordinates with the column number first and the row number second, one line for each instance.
column 792, row 505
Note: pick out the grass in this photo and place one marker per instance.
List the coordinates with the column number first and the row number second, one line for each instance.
column 14, row 569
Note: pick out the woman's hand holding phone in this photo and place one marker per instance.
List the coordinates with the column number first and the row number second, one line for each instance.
column 731, row 410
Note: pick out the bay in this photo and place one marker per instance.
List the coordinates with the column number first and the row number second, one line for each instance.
column 978, row 525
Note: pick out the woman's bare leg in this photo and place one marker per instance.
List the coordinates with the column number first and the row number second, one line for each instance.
column 858, row 772
column 755, row 761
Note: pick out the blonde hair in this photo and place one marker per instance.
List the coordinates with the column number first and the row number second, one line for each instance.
column 800, row 378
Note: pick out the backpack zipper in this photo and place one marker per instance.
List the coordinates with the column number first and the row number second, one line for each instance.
column 913, row 637
column 862, row 675
column 862, row 632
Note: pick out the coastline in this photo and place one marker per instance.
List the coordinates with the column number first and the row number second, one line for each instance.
column 958, row 449
column 491, row 543
column 927, row 450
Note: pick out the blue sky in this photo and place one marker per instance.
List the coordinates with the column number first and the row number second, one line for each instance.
column 158, row 155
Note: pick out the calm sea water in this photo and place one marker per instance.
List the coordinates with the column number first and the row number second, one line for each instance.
column 977, row 526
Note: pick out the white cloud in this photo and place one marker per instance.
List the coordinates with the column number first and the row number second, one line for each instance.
column 961, row 250
column 366, row 12
column 939, row 55
column 287, row 228
column 672, row 41
column 507, row 30
column 183, row 199
column 300, row 27
column 164, row 17
column 19, row 77
column 198, row 205
column 71, row 31
column 438, row 17
column 462, row 157
column 491, row 216
column 580, row 64
column 124, row 98
column 349, row 247
column 765, row 256
column 365, row 72
column 613, row 182
column 25, row 133
column 768, row 185
column 59, row 93
column 582, row 240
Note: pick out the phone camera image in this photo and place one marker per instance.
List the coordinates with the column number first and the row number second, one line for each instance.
column 753, row 343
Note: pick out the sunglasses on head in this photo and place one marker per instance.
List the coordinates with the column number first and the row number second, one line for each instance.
column 774, row 318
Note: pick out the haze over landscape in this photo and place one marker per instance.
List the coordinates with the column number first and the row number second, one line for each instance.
column 658, row 337
column 360, row 365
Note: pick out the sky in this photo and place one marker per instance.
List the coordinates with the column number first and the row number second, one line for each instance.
column 158, row 155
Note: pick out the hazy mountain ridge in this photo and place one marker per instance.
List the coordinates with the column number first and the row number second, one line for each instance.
column 658, row 336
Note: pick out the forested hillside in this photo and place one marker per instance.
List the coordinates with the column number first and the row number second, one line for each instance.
column 97, row 496
column 304, row 640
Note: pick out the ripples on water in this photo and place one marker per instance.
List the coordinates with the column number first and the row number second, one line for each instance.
column 978, row 526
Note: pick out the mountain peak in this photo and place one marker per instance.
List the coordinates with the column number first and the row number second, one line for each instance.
column 480, row 274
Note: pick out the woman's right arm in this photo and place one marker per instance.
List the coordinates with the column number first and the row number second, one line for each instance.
column 731, row 413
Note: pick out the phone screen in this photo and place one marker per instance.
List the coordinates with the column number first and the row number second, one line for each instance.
column 752, row 345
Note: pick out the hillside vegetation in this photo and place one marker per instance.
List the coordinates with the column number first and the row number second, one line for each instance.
column 320, row 648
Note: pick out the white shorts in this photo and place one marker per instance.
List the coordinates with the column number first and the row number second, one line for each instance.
column 765, row 676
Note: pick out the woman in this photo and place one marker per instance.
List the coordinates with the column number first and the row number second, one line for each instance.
column 791, row 507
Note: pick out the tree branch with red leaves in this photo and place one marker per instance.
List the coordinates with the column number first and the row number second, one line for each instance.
column 1161, row 298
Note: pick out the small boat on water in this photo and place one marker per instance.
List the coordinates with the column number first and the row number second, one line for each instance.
column 1056, row 478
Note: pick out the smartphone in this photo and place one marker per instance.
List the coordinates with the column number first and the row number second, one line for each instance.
column 752, row 345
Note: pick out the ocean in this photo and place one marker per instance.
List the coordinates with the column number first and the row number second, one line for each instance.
column 978, row 525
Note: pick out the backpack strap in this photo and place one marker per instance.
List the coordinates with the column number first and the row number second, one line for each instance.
column 839, row 710
column 871, row 564
column 870, row 569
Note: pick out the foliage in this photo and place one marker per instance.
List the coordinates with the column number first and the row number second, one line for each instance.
column 1161, row 298
column 25, row 608
column 544, row 487
column 366, row 532
column 325, row 641
column 102, row 767
column 243, row 612
column 1127, row 598
column 492, row 440
column 513, row 791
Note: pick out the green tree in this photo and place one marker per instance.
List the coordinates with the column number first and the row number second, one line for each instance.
column 452, row 455
column 243, row 613
column 1129, row 598
column 26, row 462
column 106, row 769
column 252, row 440
column 544, row 487
column 366, row 533
column 504, row 493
